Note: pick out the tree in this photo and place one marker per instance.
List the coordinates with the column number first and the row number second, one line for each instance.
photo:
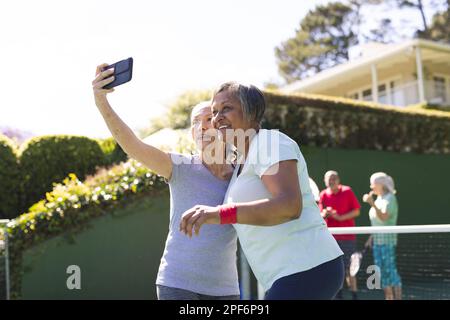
column 326, row 33
column 387, row 24
column 438, row 30
column 322, row 41
column 415, row 4
column 384, row 33
column 440, row 26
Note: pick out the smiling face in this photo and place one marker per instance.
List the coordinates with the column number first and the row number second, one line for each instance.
column 227, row 112
column 201, row 123
column 332, row 181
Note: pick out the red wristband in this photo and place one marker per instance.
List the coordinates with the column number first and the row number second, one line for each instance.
column 228, row 214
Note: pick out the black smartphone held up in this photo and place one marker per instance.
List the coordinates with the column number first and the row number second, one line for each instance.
column 123, row 71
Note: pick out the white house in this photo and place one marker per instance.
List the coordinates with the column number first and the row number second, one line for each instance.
column 416, row 71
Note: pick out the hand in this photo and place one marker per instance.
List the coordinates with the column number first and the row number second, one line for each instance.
column 324, row 213
column 327, row 212
column 195, row 217
column 368, row 198
column 102, row 78
column 335, row 216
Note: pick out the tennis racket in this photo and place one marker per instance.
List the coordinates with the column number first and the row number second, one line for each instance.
column 356, row 258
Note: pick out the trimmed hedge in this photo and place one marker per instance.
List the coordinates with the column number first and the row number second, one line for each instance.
column 343, row 123
column 9, row 178
column 48, row 159
column 71, row 205
column 112, row 151
column 26, row 174
column 421, row 106
column 324, row 121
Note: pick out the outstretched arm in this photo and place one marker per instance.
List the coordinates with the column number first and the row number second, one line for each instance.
column 151, row 157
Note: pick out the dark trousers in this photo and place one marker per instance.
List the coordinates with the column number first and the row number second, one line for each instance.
column 319, row 283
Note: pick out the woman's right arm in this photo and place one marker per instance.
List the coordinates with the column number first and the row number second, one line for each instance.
column 151, row 157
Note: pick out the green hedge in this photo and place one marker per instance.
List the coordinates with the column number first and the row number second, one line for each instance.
column 112, row 151
column 28, row 173
column 72, row 204
column 48, row 159
column 9, row 178
column 323, row 121
column 343, row 123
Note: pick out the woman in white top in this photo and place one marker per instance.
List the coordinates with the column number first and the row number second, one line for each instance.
column 270, row 204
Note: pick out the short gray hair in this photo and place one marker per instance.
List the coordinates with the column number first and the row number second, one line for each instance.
column 252, row 99
column 198, row 107
column 330, row 173
column 385, row 180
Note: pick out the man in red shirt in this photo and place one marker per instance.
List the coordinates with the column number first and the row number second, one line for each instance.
column 339, row 207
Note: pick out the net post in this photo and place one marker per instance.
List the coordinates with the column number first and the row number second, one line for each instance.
column 5, row 235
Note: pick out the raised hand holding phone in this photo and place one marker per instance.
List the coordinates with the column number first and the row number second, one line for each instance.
column 109, row 76
column 123, row 72
column 153, row 158
column 102, row 78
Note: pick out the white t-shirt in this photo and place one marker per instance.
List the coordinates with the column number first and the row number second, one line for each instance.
column 298, row 245
column 314, row 189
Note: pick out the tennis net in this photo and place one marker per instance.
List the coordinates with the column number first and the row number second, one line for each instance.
column 413, row 258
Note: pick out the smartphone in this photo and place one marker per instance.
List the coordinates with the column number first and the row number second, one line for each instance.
column 123, row 71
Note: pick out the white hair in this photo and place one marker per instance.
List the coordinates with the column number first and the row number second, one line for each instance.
column 330, row 173
column 198, row 107
column 385, row 180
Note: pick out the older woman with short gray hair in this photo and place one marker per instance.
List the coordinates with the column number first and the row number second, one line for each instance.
column 193, row 179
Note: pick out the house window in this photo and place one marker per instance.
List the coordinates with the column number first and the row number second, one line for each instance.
column 386, row 93
column 382, row 94
column 367, row 95
column 353, row 96
column 439, row 88
column 397, row 98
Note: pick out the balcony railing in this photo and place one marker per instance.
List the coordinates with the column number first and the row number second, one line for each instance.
column 408, row 94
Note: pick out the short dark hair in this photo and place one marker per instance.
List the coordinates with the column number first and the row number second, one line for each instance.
column 252, row 99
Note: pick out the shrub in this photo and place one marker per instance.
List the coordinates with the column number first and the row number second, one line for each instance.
column 112, row 151
column 48, row 159
column 323, row 121
column 343, row 123
column 9, row 178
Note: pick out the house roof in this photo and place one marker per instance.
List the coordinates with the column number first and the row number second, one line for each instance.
column 387, row 52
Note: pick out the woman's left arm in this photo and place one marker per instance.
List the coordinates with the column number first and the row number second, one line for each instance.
column 284, row 205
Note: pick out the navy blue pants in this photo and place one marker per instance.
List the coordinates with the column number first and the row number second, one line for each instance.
column 319, row 283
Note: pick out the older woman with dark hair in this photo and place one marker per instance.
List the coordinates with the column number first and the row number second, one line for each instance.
column 270, row 204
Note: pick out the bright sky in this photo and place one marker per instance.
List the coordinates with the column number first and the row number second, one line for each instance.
column 50, row 49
